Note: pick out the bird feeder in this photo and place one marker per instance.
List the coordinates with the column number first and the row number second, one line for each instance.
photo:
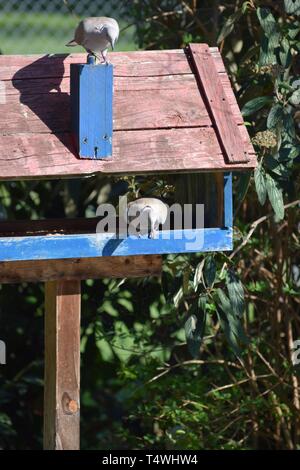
column 172, row 112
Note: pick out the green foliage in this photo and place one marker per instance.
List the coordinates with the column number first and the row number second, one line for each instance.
column 199, row 359
column 229, row 25
column 275, row 197
column 255, row 105
column 260, row 184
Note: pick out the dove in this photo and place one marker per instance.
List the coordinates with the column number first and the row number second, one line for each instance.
column 147, row 209
column 95, row 35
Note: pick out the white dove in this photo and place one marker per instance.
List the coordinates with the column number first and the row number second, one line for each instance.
column 144, row 210
column 96, row 34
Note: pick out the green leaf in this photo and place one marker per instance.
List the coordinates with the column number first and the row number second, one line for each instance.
column 224, row 302
column 236, row 293
column 276, row 167
column 295, row 98
column 285, row 53
column 260, row 184
column 229, row 334
column 271, row 39
column 234, row 323
column 275, row 197
column 198, row 274
column 202, row 302
column 288, row 127
column 275, row 116
column 229, row 25
column 268, row 24
column 170, row 285
column 267, row 54
column 245, row 7
column 194, row 331
column 255, row 105
column 178, row 297
column 293, row 30
column 210, row 270
column 292, row 6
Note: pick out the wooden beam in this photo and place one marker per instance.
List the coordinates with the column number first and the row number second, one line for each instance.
column 62, row 365
column 84, row 268
column 218, row 105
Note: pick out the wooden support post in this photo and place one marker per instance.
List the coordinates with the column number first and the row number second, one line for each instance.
column 62, row 365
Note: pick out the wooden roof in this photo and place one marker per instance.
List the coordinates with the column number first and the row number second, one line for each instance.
column 164, row 118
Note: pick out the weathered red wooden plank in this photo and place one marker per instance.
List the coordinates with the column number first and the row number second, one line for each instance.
column 157, row 108
column 135, row 63
column 221, row 113
column 172, row 101
column 148, row 151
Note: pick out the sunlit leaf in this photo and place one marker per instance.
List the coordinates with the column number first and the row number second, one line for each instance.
column 292, row 6
column 268, row 24
column 295, row 98
column 198, row 274
column 260, row 184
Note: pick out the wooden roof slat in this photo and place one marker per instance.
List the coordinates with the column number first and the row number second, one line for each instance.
column 176, row 104
column 140, row 152
column 126, row 64
column 217, row 103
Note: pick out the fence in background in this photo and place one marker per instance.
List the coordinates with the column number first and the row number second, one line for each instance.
column 45, row 26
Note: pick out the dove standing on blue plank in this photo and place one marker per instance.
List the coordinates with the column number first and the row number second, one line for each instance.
column 96, row 34
column 148, row 213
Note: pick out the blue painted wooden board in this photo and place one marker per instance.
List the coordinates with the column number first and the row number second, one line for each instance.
column 91, row 92
column 228, row 203
column 94, row 245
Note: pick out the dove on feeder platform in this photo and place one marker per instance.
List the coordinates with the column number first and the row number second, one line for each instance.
column 154, row 210
column 96, row 34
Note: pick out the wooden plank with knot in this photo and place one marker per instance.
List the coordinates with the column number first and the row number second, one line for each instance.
column 217, row 104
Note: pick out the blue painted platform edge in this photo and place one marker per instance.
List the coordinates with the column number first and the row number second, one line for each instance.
column 91, row 90
column 95, row 245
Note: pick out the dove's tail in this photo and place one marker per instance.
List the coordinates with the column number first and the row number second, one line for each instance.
column 72, row 43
